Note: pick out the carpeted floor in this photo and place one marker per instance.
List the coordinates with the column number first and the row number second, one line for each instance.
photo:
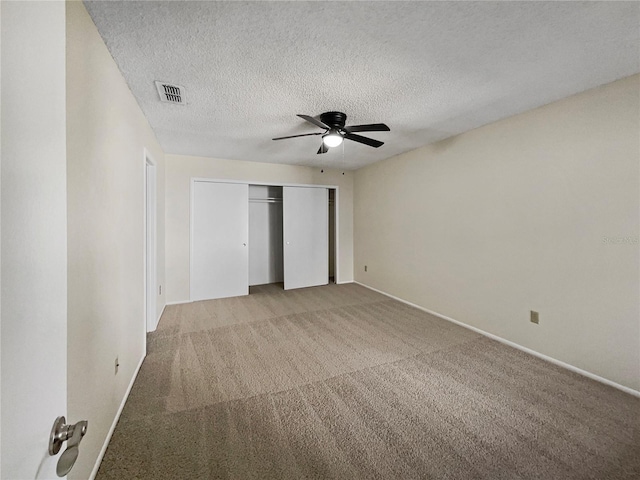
column 339, row 382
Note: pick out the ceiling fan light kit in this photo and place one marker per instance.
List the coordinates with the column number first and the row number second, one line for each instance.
column 332, row 139
column 335, row 131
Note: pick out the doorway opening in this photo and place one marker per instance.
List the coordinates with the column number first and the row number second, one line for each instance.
column 251, row 237
column 332, row 235
column 266, row 244
column 150, row 244
column 266, row 255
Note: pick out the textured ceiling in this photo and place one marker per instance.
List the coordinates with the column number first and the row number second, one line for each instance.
column 429, row 70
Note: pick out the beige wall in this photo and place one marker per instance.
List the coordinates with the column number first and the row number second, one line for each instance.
column 518, row 216
column 106, row 137
column 179, row 171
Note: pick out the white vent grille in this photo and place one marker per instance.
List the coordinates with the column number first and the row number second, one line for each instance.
column 170, row 93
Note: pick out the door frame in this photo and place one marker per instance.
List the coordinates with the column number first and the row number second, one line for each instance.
column 335, row 234
column 150, row 242
column 274, row 184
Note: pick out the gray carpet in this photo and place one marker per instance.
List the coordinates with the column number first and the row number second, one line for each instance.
column 339, row 382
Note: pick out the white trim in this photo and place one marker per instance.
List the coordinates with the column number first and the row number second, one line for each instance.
column 94, row 472
column 192, row 184
column 149, row 161
column 145, row 153
column 179, row 302
column 560, row 363
column 336, row 236
column 268, row 184
column 160, row 316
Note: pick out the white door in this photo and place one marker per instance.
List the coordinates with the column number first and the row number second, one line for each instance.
column 306, row 236
column 219, row 238
column 34, row 236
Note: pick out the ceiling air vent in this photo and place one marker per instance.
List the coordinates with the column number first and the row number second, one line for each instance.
column 171, row 93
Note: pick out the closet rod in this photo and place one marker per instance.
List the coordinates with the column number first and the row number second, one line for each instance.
column 267, row 200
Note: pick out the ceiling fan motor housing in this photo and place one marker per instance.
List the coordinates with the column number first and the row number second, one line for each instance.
column 335, row 120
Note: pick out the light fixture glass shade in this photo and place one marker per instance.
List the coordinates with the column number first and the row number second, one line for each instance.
column 332, row 139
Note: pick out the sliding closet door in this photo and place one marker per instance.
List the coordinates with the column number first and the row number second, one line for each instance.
column 306, row 236
column 219, row 237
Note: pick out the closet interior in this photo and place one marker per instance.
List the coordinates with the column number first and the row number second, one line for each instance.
column 266, row 256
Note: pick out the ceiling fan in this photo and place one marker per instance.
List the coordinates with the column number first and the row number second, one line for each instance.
column 335, row 131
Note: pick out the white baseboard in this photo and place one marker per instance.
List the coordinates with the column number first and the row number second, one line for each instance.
column 94, row 472
column 155, row 327
column 160, row 316
column 560, row 363
column 177, row 303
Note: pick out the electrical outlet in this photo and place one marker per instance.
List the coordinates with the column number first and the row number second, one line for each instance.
column 365, row 268
column 117, row 365
column 535, row 317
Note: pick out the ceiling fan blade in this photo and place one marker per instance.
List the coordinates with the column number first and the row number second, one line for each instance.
column 294, row 136
column 317, row 123
column 372, row 127
column 323, row 149
column 366, row 140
